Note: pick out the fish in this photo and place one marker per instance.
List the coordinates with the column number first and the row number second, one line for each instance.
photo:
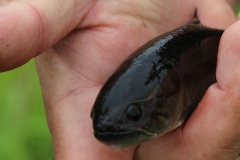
column 157, row 87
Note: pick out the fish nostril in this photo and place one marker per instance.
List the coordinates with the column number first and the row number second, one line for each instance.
column 98, row 127
column 119, row 125
column 103, row 123
column 105, row 111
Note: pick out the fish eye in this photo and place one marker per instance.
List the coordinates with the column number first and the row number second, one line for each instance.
column 133, row 113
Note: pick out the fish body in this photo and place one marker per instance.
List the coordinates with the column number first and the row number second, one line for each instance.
column 157, row 87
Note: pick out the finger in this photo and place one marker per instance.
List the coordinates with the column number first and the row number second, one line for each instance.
column 30, row 27
column 216, row 13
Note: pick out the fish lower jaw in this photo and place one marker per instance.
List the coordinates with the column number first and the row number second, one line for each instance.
column 127, row 138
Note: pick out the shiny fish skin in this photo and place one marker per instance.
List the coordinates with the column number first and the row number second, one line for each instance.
column 157, row 87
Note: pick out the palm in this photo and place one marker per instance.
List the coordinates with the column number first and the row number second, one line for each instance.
column 94, row 52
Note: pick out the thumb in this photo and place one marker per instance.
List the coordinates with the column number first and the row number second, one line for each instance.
column 29, row 28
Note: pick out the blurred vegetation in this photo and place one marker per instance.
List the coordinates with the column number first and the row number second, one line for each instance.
column 237, row 8
column 24, row 133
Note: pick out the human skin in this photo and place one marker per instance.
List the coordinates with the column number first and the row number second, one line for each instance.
column 84, row 41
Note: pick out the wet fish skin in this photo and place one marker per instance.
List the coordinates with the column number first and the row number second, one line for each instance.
column 157, row 87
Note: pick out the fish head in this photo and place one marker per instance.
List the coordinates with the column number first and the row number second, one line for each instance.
column 119, row 123
column 118, row 127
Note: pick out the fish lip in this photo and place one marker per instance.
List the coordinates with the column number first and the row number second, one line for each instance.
column 122, row 138
column 123, row 132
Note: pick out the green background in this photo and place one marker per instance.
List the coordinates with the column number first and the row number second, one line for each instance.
column 24, row 134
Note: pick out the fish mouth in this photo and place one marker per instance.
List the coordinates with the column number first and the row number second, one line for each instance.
column 124, row 138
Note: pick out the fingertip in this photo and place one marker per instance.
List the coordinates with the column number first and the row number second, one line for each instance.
column 228, row 72
column 216, row 14
column 19, row 31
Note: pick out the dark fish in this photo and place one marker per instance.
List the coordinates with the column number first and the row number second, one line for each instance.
column 157, row 87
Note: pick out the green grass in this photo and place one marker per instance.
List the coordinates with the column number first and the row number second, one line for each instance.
column 24, row 133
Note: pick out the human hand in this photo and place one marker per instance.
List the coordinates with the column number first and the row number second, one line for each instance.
column 102, row 34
